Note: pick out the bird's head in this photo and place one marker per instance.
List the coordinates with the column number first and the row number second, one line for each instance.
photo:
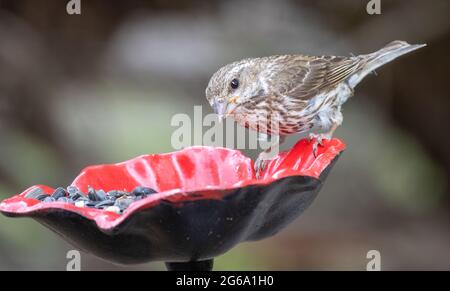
column 231, row 86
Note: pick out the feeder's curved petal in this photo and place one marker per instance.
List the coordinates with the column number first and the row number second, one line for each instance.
column 209, row 200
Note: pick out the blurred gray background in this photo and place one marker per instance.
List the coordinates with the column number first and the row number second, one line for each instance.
column 102, row 87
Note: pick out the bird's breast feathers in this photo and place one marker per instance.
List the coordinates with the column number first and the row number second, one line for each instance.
column 287, row 115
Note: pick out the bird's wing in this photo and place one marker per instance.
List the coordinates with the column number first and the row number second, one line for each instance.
column 303, row 77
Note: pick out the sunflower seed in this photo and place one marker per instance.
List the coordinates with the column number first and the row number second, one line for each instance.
column 59, row 192
column 104, row 203
column 42, row 197
column 92, row 195
column 101, row 195
column 35, row 193
column 117, row 193
column 123, row 203
column 72, row 190
column 143, row 191
column 75, row 197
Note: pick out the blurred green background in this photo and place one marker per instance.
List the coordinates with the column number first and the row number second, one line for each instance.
column 102, row 87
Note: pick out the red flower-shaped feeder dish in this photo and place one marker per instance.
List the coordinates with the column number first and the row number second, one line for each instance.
column 208, row 201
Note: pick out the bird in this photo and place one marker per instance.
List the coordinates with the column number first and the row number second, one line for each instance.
column 282, row 95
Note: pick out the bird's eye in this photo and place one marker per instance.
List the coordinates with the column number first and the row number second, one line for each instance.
column 234, row 83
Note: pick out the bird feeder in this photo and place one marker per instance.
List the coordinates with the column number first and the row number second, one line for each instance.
column 208, row 200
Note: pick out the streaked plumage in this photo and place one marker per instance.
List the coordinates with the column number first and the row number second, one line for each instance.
column 287, row 94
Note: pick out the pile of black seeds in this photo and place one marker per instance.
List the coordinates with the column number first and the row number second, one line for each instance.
column 115, row 201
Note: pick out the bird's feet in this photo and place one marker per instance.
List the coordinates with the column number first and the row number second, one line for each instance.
column 261, row 163
column 318, row 140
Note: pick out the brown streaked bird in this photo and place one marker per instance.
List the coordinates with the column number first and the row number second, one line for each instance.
column 288, row 94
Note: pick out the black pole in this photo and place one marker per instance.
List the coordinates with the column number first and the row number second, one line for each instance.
column 206, row 265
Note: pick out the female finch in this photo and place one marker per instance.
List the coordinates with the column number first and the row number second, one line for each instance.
column 287, row 94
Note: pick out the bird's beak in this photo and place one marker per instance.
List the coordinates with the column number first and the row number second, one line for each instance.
column 225, row 108
column 220, row 108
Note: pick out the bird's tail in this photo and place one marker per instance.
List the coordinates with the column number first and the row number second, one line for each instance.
column 377, row 59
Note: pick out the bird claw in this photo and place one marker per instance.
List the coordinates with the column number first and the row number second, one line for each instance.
column 260, row 165
column 318, row 141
